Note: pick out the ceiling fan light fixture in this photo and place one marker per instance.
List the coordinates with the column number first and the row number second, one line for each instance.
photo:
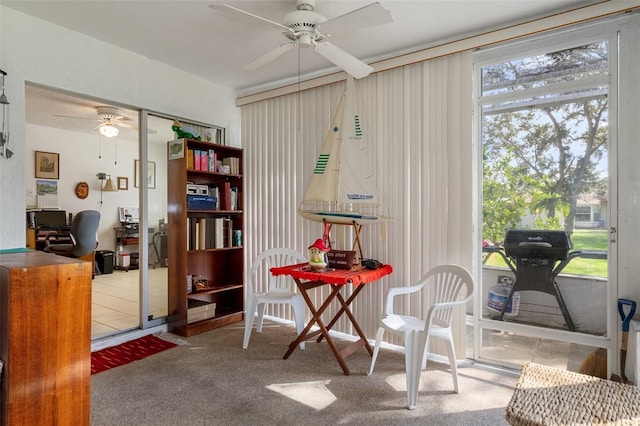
column 109, row 130
column 304, row 40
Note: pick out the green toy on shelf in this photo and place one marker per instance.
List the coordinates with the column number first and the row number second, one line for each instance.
column 185, row 132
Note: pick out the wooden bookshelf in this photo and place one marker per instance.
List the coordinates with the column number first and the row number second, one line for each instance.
column 192, row 248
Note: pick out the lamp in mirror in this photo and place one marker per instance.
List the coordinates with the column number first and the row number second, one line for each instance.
column 108, row 186
column 4, row 125
column 109, row 130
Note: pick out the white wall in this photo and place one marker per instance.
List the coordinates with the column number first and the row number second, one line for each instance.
column 32, row 50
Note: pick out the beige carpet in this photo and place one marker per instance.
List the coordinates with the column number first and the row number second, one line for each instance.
column 210, row 380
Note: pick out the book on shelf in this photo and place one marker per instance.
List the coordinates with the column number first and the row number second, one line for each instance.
column 202, row 234
column 234, row 198
column 211, row 235
column 228, row 233
column 211, row 166
column 196, row 159
column 214, row 192
column 219, row 232
column 188, row 234
column 233, row 163
column 226, row 197
column 205, row 233
column 204, row 160
column 190, row 162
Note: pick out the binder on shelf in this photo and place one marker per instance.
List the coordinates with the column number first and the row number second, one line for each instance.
column 201, row 202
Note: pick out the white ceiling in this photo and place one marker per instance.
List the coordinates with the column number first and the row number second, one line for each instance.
column 216, row 44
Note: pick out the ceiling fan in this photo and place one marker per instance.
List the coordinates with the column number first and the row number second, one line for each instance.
column 110, row 119
column 303, row 28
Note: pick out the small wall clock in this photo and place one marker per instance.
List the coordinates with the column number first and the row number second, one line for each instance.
column 82, row 190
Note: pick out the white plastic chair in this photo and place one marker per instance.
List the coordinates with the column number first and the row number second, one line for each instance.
column 263, row 288
column 448, row 286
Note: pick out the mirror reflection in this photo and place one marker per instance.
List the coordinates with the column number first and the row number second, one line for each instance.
column 96, row 146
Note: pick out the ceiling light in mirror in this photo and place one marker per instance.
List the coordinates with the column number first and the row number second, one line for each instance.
column 109, row 130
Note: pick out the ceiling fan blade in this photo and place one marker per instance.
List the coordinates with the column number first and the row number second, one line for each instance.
column 77, row 118
column 240, row 12
column 347, row 62
column 269, row 56
column 368, row 16
column 97, row 127
column 127, row 125
column 134, row 127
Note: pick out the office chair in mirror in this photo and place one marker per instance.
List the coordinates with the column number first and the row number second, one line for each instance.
column 81, row 240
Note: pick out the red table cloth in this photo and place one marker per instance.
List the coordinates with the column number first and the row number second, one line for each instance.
column 338, row 276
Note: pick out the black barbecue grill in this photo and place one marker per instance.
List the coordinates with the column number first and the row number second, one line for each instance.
column 536, row 257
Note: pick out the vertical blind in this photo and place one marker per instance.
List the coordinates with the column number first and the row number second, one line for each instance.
column 418, row 119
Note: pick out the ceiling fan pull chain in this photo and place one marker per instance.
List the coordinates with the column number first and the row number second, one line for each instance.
column 299, row 113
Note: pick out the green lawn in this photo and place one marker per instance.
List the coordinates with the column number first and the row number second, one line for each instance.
column 584, row 239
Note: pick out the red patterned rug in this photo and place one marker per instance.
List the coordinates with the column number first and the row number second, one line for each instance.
column 127, row 352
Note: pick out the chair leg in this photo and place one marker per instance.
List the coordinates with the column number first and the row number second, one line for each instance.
column 414, row 349
column 376, row 349
column 261, row 307
column 248, row 321
column 299, row 313
column 452, row 362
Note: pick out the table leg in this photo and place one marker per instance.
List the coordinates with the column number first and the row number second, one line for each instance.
column 363, row 339
column 345, row 309
column 316, row 318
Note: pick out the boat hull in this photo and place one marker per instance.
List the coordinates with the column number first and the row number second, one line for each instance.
column 343, row 217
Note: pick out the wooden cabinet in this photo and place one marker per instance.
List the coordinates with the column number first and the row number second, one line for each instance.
column 45, row 339
column 205, row 252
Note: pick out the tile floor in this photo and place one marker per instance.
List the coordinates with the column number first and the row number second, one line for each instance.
column 116, row 300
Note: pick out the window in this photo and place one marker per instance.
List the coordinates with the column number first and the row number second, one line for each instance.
column 583, row 214
column 544, row 139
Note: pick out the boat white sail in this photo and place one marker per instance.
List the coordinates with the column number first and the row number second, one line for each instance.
column 343, row 187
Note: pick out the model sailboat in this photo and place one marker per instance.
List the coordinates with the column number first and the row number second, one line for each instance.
column 343, row 187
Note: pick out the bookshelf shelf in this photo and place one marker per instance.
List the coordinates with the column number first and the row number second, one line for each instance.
column 204, row 235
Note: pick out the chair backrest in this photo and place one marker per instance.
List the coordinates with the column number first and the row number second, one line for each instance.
column 448, row 286
column 260, row 279
column 84, row 232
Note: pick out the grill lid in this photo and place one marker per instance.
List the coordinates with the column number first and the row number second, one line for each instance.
column 539, row 244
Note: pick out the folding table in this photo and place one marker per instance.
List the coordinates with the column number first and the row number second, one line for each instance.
column 307, row 279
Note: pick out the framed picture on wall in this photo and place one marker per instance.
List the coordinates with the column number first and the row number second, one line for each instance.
column 151, row 174
column 123, row 183
column 47, row 165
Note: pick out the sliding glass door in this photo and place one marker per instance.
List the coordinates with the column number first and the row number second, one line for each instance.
column 545, row 111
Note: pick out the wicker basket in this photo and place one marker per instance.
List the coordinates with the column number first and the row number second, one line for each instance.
column 549, row 396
